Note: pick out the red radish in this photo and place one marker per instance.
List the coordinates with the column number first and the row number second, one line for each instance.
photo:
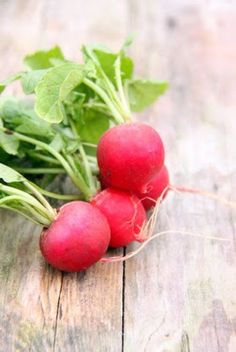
column 125, row 214
column 154, row 188
column 78, row 237
column 129, row 155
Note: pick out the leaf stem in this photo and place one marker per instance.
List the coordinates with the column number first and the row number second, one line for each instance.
column 61, row 196
column 86, row 144
column 41, row 198
column 120, row 106
column 26, row 215
column 40, row 219
column 44, row 158
column 78, row 181
column 124, row 104
column 86, row 165
column 42, row 170
column 87, row 169
column 115, row 113
column 28, row 199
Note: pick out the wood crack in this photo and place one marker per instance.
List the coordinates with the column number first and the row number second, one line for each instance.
column 154, row 332
column 57, row 313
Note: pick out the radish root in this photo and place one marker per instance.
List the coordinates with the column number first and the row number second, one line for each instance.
column 159, row 234
column 146, row 233
column 181, row 189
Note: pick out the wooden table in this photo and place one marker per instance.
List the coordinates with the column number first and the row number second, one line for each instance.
column 179, row 294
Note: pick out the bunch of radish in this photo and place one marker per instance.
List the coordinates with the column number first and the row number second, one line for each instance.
column 78, row 122
column 131, row 163
column 78, row 234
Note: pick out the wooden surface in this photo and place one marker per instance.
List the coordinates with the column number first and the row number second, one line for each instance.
column 179, row 294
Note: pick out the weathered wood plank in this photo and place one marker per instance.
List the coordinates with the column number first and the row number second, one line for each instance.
column 180, row 292
column 42, row 309
column 29, row 290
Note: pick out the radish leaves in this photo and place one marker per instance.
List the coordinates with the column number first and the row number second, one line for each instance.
column 9, row 175
column 54, row 88
column 43, row 58
column 143, row 93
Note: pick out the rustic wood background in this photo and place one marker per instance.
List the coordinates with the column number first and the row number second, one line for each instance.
column 179, row 294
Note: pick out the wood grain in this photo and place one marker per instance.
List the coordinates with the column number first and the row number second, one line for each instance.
column 42, row 309
column 178, row 295
column 180, row 292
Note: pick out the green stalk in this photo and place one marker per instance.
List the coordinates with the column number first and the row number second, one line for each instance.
column 99, row 106
column 79, row 182
column 89, row 145
column 42, row 170
column 40, row 219
column 124, row 104
column 110, row 90
column 87, row 169
column 72, row 163
column 121, row 106
column 40, row 197
column 115, row 113
column 37, row 215
column 74, row 167
column 27, row 198
column 44, row 158
column 29, row 217
column 57, row 195
column 61, row 196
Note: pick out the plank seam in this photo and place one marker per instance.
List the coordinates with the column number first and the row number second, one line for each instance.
column 57, row 313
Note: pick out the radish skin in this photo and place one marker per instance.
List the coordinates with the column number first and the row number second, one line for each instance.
column 154, row 188
column 129, row 155
column 125, row 214
column 77, row 238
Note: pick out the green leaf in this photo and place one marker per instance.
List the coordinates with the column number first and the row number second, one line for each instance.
column 8, row 175
column 9, row 80
column 107, row 61
column 11, row 108
column 53, row 90
column 92, row 126
column 35, row 128
column 9, row 143
column 8, row 108
column 30, row 79
column 143, row 93
column 43, row 58
column 20, row 116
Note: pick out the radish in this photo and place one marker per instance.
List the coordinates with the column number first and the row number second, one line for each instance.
column 77, row 238
column 73, row 238
column 129, row 155
column 125, row 214
column 154, row 188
